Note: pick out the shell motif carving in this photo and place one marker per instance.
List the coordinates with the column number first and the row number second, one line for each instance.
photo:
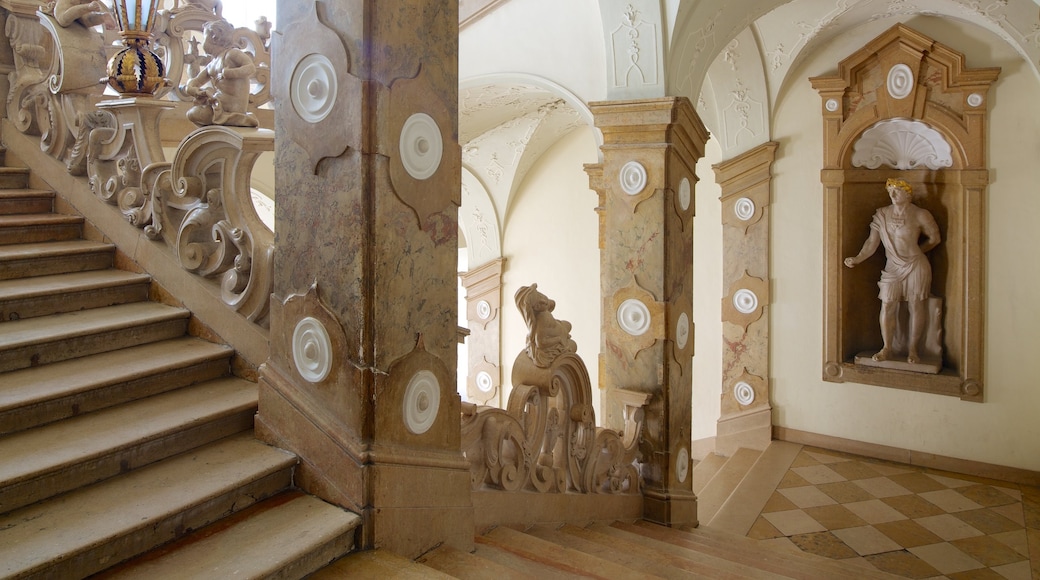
column 902, row 144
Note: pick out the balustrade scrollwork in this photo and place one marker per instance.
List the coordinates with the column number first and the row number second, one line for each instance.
column 546, row 439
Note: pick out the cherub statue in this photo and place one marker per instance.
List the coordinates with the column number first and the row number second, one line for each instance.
column 547, row 338
column 907, row 276
column 89, row 13
column 226, row 100
column 214, row 6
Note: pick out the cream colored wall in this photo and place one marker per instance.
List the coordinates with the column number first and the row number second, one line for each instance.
column 559, row 41
column 707, row 296
column 551, row 238
column 1003, row 430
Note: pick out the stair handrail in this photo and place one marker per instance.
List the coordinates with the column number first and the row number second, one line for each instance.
column 200, row 204
column 546, row 439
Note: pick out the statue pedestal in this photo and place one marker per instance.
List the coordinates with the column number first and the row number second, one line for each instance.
column 927, row 364
column 931, row 349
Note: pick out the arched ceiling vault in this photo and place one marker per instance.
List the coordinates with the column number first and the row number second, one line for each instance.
column 733, row 63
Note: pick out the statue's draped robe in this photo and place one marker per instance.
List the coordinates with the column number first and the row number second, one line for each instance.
column 906, row 276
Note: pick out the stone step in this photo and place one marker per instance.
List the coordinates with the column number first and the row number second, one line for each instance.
column 42, row 462
column 466, row 566
column 705, row 470
column 556, row 556
column 93, row 528
column 42, row 259
column 22, row 201
column 58, row 293
column 714, row 494
column 14, row 177
column 48, row 339
column 376, row 564
column 698, row 563
column 788, row 563
column 39, row 395
column 740, row 510
column 287, row 536
column 39, row 227
column 489, row 550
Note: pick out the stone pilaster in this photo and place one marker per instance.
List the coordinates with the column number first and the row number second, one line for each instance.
column 646, row 182
column 360, row 380
column 746, row 418
column 483, row 286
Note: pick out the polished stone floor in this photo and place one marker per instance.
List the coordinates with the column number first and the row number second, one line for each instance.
column 905, row 520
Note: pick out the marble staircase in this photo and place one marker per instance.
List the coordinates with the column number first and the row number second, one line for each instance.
column 124, row 439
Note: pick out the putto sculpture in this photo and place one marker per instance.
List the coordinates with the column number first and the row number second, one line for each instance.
column 225, row 101
column 547, row 338
column 907, row 232
column 89, row 13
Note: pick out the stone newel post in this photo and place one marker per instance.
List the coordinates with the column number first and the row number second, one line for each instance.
column 361, row 378
column 645, row 183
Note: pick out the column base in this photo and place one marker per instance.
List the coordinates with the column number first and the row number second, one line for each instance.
column 672, row 508
column 751, row 430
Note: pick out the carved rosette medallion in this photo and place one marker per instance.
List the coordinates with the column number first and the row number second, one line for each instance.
column 633, row 178
column 832, row 105
column 633, row 317
column 682, row 331
column 900, row 81
column 421, row 146
column 682, row 464
column 422, row 399
column 746, row 301
column 975, row 100
column 485, row 382
column 744, row 208
column 743, row 393
column 484, row 310
column 312, row 350
column 685, row 194
column 314, row 78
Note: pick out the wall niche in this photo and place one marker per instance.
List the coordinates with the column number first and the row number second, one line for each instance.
column 906, row 107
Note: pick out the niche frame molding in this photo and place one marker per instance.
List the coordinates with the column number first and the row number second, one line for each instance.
column 906, row 76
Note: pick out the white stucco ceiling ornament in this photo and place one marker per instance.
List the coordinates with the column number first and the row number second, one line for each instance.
column 900, row 82
column 312, row 350
column 902, row 144
column 633, row 317
column 632, row 178
column 422, row 399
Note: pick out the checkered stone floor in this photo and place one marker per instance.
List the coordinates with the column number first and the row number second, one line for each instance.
column 904, row 520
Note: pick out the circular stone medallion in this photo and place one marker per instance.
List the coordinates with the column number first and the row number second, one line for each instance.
column 421, row 146
column 313, row 88
column 682, row 464
column 744, row 393
column 312, row 350
column 484, row 382
column 633, row 177
column 484, row 309
column 900, row 81
column 744, row 208
column 682, row 331
column 685, row 195
column 745, row 301
column 633, row 317
column 422, row 399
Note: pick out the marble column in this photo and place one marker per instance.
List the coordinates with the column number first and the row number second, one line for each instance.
column 483, row 286
column 746, row 416
column 360, row 383
column 645, row 182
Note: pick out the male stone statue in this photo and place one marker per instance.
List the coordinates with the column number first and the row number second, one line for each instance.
column 907, row 276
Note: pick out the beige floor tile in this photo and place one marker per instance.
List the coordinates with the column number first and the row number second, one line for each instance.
column 987, row 495
column 946, row 558
column 1016, row 540
column 794, row 522
column 903, row 563
column 976, row 574
column 866, row 540
column 845, row 492
column 948, row 527
column 1014, row 493
column 881, row 487
column 950, row 500
column 887, row 468
column 912, row 506
column 803, row 460
column 808, row 496
column 987, row 521
column 852, row 470
column 817, row 474
column 825, row 457
column 1034, row 551
column 763, row 530
column 1011, row 511
column 874, row 511
column 917, row 482
column 950, row 482
column 824, row 544
column 835, row 517
column 988, row 551
column 1016, row 571
column 783, row 543
column 908, row 533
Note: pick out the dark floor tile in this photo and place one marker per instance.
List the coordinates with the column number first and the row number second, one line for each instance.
column 980, row 574
column 986, row 495
column 824, row 544
column 903, row 563
column 987, row 521
column 917, row 482
column 913, row 506
column 845, row 491
column 778, row 503
column 908, row 533
column 835, row 517
column 988, row 551
column 763, row 530
column 853, row 470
